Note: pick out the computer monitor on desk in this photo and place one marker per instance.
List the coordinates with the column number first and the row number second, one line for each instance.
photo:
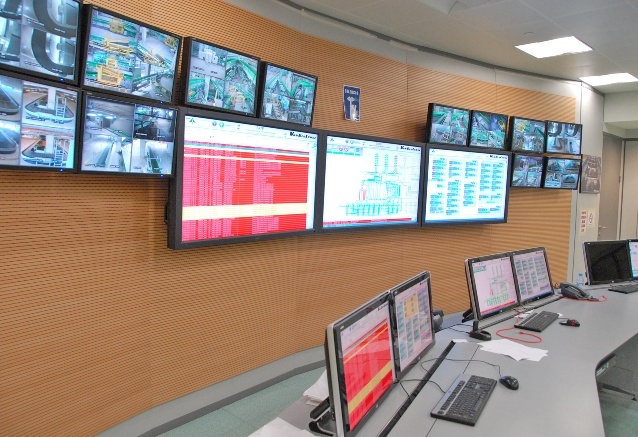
column 532, row 274
column 633, row 257
column 607, row 262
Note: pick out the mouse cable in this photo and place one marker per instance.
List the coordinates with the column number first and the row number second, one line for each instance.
column 451, row 328
column 498, row 368
column 540, row 340
column 602, row 299
column 418, row 380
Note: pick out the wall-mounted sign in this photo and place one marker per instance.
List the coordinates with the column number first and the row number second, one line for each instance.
column 351, row 102
column 591, row 172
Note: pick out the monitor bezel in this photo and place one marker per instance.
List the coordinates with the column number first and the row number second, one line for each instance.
column 428, row 125
column 470, row 129
column 545, row 171
column 549, row 274
column 515, row 155
column 563, row 123
column 588, row 262
column 510, row 135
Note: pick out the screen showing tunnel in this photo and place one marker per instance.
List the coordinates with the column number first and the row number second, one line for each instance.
column 127, row 137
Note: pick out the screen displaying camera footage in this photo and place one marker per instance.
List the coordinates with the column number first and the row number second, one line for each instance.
column 563, row 137
column 220, row 78
column 448, row 125
column 527, row 171
column 488, row 130
column 40, row 36
column 562, row 173
column 37, row 125
column 288, row 95
column 122, row 137
column 528, row 135
column 129, row 58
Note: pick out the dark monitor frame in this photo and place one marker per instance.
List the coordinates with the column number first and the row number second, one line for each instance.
column 515, row 156
column 549, row 274
column 591, row 267
column 429, row 125
column 546, row 171
column 512, row 130
column 491, row 114
column 563, row 125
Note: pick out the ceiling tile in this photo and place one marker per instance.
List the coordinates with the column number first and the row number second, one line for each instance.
column 390, row 16
column 597, row 21
column 553, row 8
column 494, row 15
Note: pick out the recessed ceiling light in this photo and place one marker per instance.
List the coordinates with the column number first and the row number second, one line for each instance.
column 555, row 47
column 608, row 79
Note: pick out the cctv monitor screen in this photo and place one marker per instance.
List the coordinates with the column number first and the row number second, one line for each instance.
column 633, row 257
column 287, row 95
column 563, row 137
column 466, row 186
column 488, row 130
column 37, row 125
column 527, row 135
column 491, row 285
column 219, row 78
column 532, row 274
column 127, row 137
column 607, row 261
column 128, row 57
column 370, row 182
column 527, row 171
column 40, row 37
column 561, row 173
column 447, row 125
column 360, row 363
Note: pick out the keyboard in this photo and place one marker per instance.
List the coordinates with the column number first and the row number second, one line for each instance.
column 627, row 288
column 465, row 399
column 537, row 321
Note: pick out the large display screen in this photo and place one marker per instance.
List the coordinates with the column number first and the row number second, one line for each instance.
column 532, row 274
column 527, row 171
column 128, row 57
column 488, row 130
column 40, row 36
column 37, row 125
column 564, row 137
column 527, row 135
column 465, row 186
column 370, row 182
column 607, row 261
column 562, row 173
column 633, row 254
column 121, row 136
column 492, row 286
column 288, row 95
column 447, row 125
column 220, row 78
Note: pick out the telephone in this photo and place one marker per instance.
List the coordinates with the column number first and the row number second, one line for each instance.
column 573, row 292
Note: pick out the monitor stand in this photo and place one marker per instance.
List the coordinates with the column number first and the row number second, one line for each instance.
column 324, row 424
column 478, row 334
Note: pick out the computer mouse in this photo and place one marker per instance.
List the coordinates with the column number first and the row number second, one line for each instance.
column 509, row 382
column 570, row 322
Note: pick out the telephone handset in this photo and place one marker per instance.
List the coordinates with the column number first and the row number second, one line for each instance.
column 574, row 292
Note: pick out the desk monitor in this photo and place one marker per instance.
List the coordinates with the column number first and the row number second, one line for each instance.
column 527, row 135
column 488, row 130
column 447, row 125
column 532, row 274
column 607, row 261
column 359, row 363
column 563, row 137
column 633, row 256
column 527, row 170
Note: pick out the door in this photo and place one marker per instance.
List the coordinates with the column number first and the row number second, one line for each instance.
column 610, row 188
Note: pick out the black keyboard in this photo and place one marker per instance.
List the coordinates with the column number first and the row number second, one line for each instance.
column 628, row 288
column 537, row 321
column 465, row 399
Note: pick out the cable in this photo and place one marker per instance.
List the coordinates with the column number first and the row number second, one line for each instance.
column 602, row 299
column 418, row 380
column 540, row 340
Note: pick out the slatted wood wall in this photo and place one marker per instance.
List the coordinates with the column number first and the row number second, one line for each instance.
column 99, row 321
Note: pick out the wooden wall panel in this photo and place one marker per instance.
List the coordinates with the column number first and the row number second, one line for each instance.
column 99, row 321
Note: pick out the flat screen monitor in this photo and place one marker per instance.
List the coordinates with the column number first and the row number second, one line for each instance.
column 123, row 136
column 466, row 186
column 491, row 285
column 370, row 182
column 40, row 37
column 633, row 257
column 527, row 171
column 447, row 125
column 287, row 95
column 527, row 135
column 561, row 173
column 532, row 274
column 241, row 179
column 488, row 130
column 38, row 124
column 563, row 137
column 607, row 261
column 219, row 78
column 412, row 321
column 125, row 56
column 360, row 363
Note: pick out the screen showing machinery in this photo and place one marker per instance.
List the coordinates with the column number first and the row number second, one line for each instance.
column 607, row 261
column 563, row 137
column 37, row 125
column 466, row 186
column 288, row 95
column 128, row 57
column 219, row 78
column 370, row 182
column 527, row 171
column 447, row 125
column 561, row 173
column 527, row 135
column 40, row 37
column 532, row 274
column 121, row 136
column 491, row 285
column 488, row 130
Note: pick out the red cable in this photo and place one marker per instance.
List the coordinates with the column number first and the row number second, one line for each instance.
column 519, row 339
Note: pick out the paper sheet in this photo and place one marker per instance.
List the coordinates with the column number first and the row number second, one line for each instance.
column 513, row 349
column 280, row 428
column 319, row 390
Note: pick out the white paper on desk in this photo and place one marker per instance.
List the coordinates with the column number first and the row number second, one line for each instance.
column 280, row 428
column 319, row 390
column 514, row 350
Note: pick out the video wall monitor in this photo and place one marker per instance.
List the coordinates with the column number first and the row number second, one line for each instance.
column 466, row 186
column 561, row 173
column 488, row 130
column 370, row 182
column 491, row 285
column 359, row 363
column 287, row 95
column 125, row 136
column 240, row 179
column 219, row 78
column 633, row 257
column 531, row 270
column 563, row 137
column 527, row 135
column 38, row 124
column 447, row 125
column 607, row 261
column 412, row 321
column 40, row 37
column 124, row 56
column 527, row 170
